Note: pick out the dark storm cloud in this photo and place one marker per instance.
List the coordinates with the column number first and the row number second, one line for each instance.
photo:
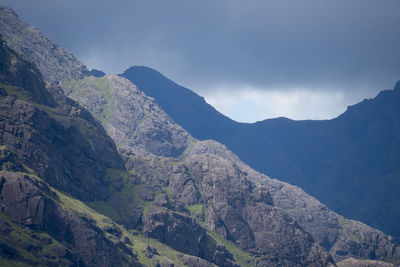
column 315, row 44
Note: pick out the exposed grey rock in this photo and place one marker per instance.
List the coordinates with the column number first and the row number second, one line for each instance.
column 245, row 212
column 150, row 251
column 196, row 262
column 44, row 134
column 174, row 229
column 44, row 131
column 341, row 237
column 29, row 202
column 55, row 63
column 133, row 120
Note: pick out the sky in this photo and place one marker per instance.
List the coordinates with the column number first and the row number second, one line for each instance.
column 252, row 59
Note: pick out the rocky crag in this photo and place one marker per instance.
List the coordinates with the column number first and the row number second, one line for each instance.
column 178, row 200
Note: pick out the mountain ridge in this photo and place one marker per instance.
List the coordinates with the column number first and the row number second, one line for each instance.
column 302, row 152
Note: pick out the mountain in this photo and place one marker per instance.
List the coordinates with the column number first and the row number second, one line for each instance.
column 55, row 63
column 156, row 144
column 349, row 163
column 166, row 198
column 52, row 152
column 186, row 107
column 57, row 162
column 59, row 174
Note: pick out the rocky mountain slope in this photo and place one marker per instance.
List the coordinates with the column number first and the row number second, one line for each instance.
column 350, row 163
column 134, row 121
column 49, row 143
column 183, row 201
column 343, row 238
column 54, row 153
column 55, row 63
column 56, row 162
column 336, row 234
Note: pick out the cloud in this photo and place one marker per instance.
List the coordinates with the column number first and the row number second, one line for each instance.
column 346, row 46
column 254, row 104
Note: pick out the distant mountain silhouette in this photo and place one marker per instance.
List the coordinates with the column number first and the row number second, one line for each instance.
column 351, row 163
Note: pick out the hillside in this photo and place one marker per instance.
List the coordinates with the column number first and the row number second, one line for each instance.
column 349, row 163
column 55, row 155
column 164, row 197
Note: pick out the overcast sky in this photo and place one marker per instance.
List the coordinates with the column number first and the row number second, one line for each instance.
column 253, row 59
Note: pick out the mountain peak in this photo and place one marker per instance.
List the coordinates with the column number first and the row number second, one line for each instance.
column 8, row 10
column 141, row 68
column 138, row 73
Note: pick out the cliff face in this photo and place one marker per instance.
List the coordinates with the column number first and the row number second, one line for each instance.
column 165, row 198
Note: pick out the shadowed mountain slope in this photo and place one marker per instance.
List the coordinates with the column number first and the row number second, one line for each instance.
column 350, row 163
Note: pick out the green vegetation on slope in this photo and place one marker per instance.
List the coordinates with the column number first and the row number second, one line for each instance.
column 24, row 246
column 97, row 87
column 240, row 256
column 137, row 242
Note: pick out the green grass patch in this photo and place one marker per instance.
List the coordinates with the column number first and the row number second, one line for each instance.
column 295, row 209
column 356, row 238
column 197, row 211
column 90, row 88
column 20, row 235
column 242, row 257
column 139, row 241
column 29, row 170
column 167, row 253
column 124, row 192
column 17, row 92
column 71, row 204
